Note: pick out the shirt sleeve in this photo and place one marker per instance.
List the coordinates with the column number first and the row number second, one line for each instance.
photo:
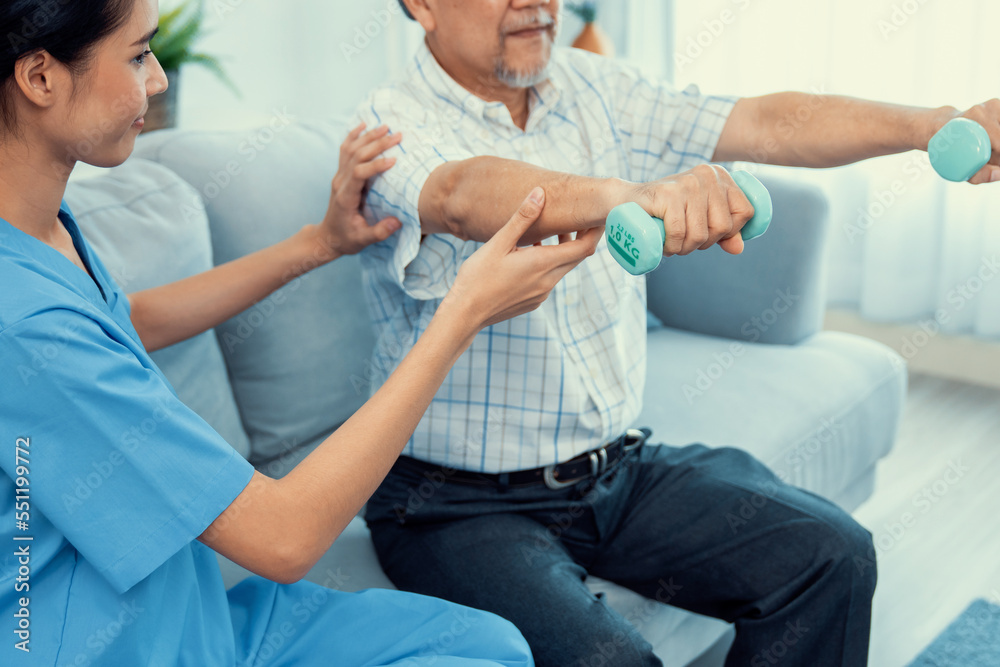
column 666, row 131
column 124, row 470
column 423, row 267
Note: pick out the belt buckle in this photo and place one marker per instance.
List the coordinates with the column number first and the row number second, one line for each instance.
column 634, row 439
column 549, row 476
column 598, row 465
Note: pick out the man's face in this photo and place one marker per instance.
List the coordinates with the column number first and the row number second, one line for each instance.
column 505, row 41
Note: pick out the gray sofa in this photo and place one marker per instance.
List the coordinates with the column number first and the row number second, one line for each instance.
column 736, row 355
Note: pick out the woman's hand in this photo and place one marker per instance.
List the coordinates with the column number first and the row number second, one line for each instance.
column 344, row 231
column 501, row 280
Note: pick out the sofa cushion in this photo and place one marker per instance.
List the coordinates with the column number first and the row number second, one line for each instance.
column 149, row 228
column 298, row 360
column 819, row 413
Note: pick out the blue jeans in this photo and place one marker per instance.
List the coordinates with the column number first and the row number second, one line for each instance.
column 712, row 531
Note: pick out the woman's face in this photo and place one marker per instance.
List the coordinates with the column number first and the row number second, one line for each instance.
column 100, row 120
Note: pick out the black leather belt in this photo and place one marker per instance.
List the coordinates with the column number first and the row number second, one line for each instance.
column 584, row 466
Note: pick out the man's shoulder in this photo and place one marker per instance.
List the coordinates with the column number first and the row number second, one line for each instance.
column 398, row 99
column 388, row 94
column 578, row 69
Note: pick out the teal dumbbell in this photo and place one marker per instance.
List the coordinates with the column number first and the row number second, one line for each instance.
column 635, row 238
column 959, row 149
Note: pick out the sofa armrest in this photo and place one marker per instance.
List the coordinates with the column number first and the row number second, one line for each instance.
column 773, row 293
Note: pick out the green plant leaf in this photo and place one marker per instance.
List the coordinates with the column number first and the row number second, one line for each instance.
column 213, row 65
column 167, row 20
column 175, row 47
column 180, row 29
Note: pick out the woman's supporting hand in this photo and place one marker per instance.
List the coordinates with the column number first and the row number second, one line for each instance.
column 171, row 313
column 501, row 280
column 344, row 231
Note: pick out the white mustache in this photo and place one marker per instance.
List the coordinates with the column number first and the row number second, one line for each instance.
column 540, row 19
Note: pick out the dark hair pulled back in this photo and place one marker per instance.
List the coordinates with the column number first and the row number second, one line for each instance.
column 67, row 29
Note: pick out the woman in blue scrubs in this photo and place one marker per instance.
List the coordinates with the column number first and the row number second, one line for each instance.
column 127, row 575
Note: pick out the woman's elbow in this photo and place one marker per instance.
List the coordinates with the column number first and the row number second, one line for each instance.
column 287, row 564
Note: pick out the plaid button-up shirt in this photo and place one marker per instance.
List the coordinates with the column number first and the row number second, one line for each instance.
column 569, row 377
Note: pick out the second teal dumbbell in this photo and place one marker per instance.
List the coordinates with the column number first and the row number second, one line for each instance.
column 959, row 149
column 635, row 238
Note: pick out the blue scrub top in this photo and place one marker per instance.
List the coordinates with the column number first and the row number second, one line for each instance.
column 121, row 476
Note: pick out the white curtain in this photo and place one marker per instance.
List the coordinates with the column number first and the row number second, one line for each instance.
column 906, row 246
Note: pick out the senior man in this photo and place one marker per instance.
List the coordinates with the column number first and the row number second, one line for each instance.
column 530, row 429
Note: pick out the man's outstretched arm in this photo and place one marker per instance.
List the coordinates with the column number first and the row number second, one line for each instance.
column 815, row 130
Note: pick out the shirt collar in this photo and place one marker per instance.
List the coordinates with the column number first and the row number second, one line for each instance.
column 69, row 221
column 542, row 97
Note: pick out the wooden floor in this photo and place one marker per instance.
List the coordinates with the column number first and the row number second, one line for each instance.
column 935, row 516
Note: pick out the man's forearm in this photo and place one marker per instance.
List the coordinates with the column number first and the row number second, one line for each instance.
column 807, row 130
column 472, row 199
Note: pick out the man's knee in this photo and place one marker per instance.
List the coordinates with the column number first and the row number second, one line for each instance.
column 738, row 464
column 859, row 554
column 850, row 549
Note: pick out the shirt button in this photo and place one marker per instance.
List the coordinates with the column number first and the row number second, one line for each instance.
column 484, row 135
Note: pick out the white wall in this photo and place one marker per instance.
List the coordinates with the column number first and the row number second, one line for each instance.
column 289, row 55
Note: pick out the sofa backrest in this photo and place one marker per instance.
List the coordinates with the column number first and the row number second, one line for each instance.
column 297, row 360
